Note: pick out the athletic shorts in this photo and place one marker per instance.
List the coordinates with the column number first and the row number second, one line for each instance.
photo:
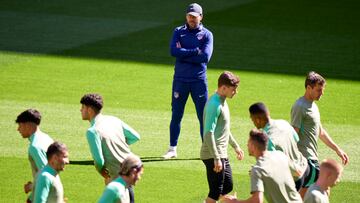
column 310, row 175
column 219, row 183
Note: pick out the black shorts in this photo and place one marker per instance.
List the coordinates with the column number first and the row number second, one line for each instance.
column 310, row 175
column 219, row 183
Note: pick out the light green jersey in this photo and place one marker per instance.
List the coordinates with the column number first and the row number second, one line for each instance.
column 115, row 192
column 48, row 187
column 109, row 139
column 39, row 143
column 315, row 195
column 305, row 115
column 271, row 175
column 217, row 133
column 283, row 137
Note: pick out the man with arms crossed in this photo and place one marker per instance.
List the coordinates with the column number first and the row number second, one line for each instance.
column 28, row 126
column 130, row 173
column 305, row 118
column 270, row 176
column 48, row 187
column 281, row 137
column 192, row 46
column 108, row 137
column 330, row 172
column 217, row 136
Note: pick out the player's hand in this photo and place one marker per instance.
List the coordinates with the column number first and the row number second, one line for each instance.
column 228, row 199
column 178, row 45
column 239, row 153
column 105, row 173
column 344, row 157
column 28, row 187
column 217, row 165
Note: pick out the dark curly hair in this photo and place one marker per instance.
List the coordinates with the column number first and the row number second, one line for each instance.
column 93, row 100
column 29, row 115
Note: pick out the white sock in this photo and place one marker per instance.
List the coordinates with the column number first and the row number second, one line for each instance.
column 172, row 148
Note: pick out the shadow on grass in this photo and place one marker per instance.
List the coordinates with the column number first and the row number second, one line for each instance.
column 252, row 37
column 156, row 159
column 143, row 159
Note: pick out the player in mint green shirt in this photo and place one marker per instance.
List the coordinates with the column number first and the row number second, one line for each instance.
column 48, row 187
column 118, row 190
column 217, row 136
column 305, row 118
column 282, row 137
column 28, row 126
column 108, row 137
column 330, row 173
column 270, row 176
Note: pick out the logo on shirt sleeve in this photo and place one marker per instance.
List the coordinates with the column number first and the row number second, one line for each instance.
column 176, row 95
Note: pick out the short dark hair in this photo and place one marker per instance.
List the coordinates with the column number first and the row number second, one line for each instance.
column 227, row 78
column 258, row 108
column 259, row 139
column 29, row 115
column 55, row 148
column 313, row 79
column 93, row 100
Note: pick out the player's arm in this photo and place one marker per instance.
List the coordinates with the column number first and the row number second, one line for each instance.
column 131, row 135
column 176, row 50
column 256, row 197
column 42, row 189
column 257, row 189
column 38, row 156
column 297, row 117
column 204, row 53
column 325, row 137
column 96, row 150
column 239, row 152
column 210, row 121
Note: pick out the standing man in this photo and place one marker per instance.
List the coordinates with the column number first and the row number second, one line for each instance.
column 330, row 172
column 305, row 118
column 48, row 187
column 192, row 46
column 108, row 137
column 270, row 176
column 282, row 137
column 28, row 126
column 217, row 136
column 130, row 173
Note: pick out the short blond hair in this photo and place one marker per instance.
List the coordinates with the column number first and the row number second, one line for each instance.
column 331, row 165
column 131, row 162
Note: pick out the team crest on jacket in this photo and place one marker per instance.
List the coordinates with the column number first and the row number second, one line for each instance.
column 200, row 36
column 176, row 95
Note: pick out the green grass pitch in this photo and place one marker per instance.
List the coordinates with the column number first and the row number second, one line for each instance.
column 52, row 52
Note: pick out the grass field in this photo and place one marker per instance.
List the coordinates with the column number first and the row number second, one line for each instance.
column 53, row 52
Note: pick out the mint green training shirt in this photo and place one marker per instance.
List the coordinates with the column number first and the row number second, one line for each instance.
column 39, row 143
column 217, row 133
column 283, row 137
column 271, row 175
column 305, row 115
column 115, row 192
column 109, row 139
column 48, row 188
column 315, row 195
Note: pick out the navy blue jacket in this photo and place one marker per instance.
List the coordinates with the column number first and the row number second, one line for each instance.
column 194, row 54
